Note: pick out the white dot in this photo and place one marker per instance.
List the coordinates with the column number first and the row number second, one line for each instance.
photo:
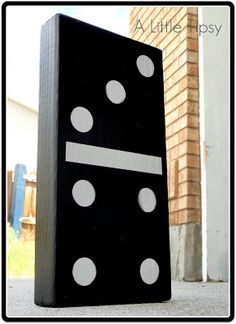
column 145, row 66
column 84, row 271
column 83, row 193
column 149, row 271
column 81, row 119
column 147, row 200
column 115, row 92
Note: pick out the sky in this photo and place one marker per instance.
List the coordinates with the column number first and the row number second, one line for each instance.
column 23, row 26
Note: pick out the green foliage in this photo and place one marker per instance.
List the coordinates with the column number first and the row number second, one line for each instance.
column 20, row 256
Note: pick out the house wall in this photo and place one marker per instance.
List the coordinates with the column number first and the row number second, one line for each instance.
column 21, row 135
column 180, row 64
column 215, row 116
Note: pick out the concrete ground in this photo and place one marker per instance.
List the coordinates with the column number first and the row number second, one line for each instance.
column 194, row 299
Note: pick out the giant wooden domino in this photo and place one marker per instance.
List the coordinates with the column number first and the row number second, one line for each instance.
column 102, row 207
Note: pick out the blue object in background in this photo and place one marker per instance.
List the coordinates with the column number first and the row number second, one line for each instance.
column 17, row 198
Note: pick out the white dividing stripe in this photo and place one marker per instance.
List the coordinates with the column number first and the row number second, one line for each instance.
column 110, row 158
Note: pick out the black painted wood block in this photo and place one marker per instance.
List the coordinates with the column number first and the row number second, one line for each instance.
column 102, row 232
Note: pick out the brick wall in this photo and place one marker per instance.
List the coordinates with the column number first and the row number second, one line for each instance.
column 180, row 64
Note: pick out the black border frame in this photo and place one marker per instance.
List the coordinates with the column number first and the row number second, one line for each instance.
column 232, row 179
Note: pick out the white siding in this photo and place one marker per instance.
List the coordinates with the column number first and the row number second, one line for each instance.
column 22, row 133
column 214, row 54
